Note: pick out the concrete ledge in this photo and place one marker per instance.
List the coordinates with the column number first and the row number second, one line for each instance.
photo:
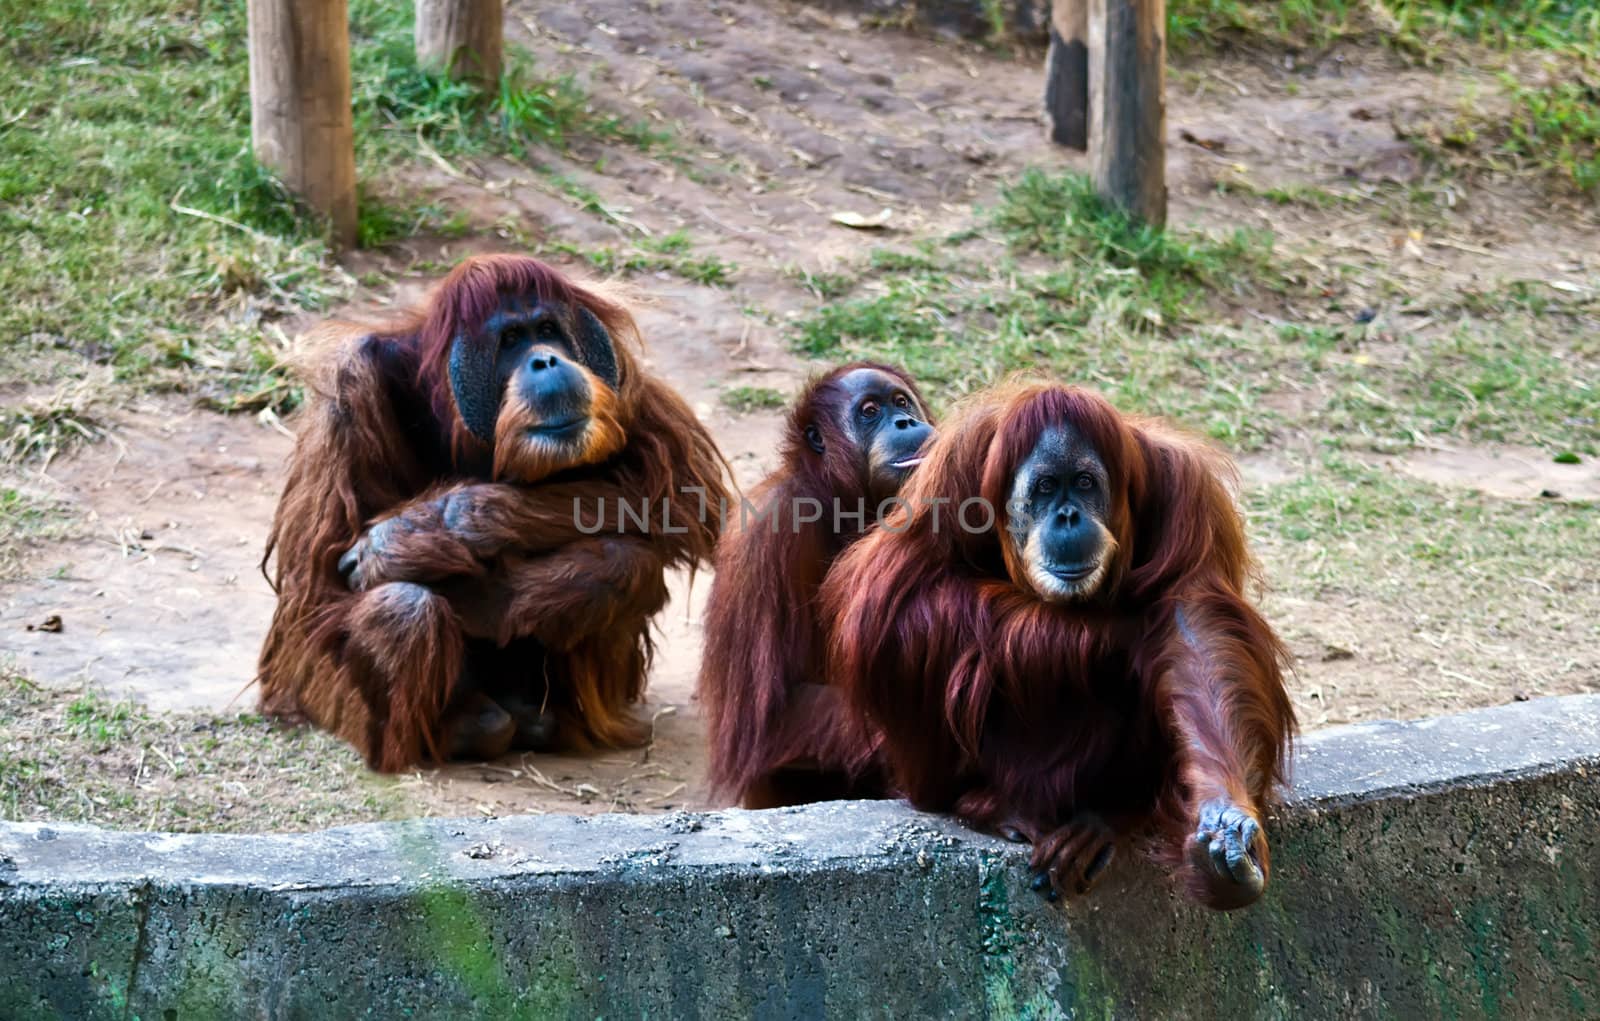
column 1444, row 868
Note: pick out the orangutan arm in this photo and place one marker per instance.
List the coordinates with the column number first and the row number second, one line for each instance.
column 1231, row 722
column 459, row 531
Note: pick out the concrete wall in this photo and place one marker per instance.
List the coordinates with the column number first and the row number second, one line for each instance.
column 1444, row 868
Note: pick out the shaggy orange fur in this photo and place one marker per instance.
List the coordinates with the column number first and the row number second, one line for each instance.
column 483, row 559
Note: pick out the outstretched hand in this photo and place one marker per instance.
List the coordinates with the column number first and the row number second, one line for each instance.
column 1227, row 850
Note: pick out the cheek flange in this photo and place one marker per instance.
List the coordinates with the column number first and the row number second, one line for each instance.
column 473, row 385
column 596, row 349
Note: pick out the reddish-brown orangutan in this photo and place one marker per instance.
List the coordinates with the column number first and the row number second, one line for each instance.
column 1055, row 644
column 778, row 732
column 453, row 572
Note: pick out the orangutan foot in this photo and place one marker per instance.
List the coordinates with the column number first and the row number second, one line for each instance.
column 479, row 730
column 535, row 728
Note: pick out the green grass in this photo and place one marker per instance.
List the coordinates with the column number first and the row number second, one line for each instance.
column 396, row 101
column 1457, row 597
column 118, row 118
column 1078, row 290
column 1061, row 217
column 1554, row 127
column 26, row 516
column 1557, row 127
column 1305, row 196
column 79, row 756
column 1551, row 128
column 1509, row 381
column 745, row 399
column 826, row 286
column 19, row 509
column 1422, row 27
column 1343, row 499
column 669, row 253
column 380, row 222
column 1170, row 324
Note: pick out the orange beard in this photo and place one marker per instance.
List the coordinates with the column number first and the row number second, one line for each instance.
column 524, row 456
column 1022, row 567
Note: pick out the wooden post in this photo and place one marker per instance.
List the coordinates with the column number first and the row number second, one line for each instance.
column 1127, row 105
column 300, row 116
column 1066, row 74
column 463, row 39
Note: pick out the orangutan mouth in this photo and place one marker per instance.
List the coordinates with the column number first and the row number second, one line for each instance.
column 565, row 430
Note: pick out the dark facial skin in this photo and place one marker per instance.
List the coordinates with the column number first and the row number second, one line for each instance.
column 528, row 350
column 1059, row 502
column 537, row 362
column 884, row 421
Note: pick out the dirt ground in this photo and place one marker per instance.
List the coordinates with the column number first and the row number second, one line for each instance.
column 787, row 115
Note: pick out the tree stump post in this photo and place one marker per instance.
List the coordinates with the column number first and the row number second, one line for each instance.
column 300, row 119
column 463, row 39
column 1066, row 83
column 1127, row 105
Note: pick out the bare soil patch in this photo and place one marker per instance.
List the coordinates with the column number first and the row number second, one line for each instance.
column 1512, row 473
column 159, row 595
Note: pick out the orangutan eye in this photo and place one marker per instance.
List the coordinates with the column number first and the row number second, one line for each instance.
column 1045, row 486
column 901, row 401
column 546, row 329
column 1084, row 481
column 869, row 410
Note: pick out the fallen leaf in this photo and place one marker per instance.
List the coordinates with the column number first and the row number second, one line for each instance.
column 977, row 152
column 876, row 221
column 52, row 624
column 1209, row 144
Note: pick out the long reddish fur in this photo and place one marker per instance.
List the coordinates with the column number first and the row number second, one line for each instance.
column 381, row 437
column 1014, row 712
column 764, row 673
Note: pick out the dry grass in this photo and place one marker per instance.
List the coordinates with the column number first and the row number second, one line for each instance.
column 41, row 427
column 26, row 517
column 77, row 756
